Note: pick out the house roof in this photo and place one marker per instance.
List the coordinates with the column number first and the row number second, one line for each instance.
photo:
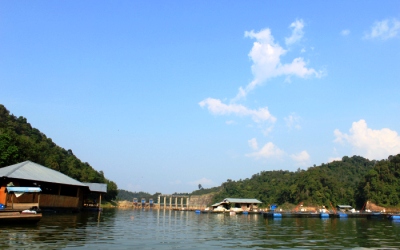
column 96, row 187
column 237, row 200
column 28, row 170
column 344, row 206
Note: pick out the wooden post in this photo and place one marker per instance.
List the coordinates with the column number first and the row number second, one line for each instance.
column 182, row 202
column 99, row 201
column 38, row 200
column 187, row 203
column 176, row 202
column 170, row 202
column 165, row 202
column 12, row 201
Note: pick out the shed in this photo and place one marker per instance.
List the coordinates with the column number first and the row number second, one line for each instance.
column 58, row 189
column 244, row 204
column 344, row 208
column 96, row 190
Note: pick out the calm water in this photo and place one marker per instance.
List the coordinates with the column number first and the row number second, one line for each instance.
column 159, row 229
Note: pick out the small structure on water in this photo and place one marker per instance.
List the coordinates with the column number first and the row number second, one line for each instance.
column 58, row 191
column 237, row 205
column 345, row 208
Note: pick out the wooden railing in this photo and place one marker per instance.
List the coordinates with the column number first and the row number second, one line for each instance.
column 50, row 200
column 29, row 200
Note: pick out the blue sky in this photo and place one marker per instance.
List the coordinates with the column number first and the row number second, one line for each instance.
column 165, row 95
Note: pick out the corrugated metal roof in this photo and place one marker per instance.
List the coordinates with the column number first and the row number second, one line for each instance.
column 237, row 200
column 97, row 187
column 32, row 171
column 344, row 206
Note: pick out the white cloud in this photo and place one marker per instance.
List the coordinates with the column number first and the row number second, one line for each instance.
column 384, row 29
column 253, row 143
column 293, row 121
column 297, row 32
column 230, row 122
column 266, row 56
column 372, row 144
column 345, row 32
column 267, row 130
column 302, row 158
column 215, row 106
column 332, row 159
column 269, row 150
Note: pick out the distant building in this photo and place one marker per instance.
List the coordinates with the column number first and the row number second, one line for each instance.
column 344, row 208
column 237, row 204
column 58, row 191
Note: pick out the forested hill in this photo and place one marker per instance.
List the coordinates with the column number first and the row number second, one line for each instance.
column 124, row 195
column 20, row 142
column 353, row 181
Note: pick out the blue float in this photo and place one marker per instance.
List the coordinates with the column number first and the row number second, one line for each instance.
column 395, row 217
column 197, row 211
column 324, row 215
column 245, row 212
column 342, row 215
column 277, row 215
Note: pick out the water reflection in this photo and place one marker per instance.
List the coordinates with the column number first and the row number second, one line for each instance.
column 168, row 229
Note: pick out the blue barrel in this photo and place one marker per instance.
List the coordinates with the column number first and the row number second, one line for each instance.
column 342, row 215
column 324, row 215
column 277, row 215
column 395, row 217
column 197, row 211
column 245, row 212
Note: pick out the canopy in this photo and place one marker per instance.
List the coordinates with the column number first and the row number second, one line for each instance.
column 24, row 189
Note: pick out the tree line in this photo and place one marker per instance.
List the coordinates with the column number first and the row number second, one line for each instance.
column 351, row 181
column 20, row 142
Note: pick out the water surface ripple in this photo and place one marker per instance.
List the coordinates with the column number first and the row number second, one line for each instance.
column 165, row 229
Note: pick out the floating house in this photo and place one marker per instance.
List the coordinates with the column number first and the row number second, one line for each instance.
column 58, row 191
column 345, row 208
column 237, row 205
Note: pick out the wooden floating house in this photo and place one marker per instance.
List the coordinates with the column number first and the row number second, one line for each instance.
column 237, row 205
column 58, row 191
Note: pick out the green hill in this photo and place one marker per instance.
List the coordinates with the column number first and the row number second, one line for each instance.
column 20, row 142
column 353, row 180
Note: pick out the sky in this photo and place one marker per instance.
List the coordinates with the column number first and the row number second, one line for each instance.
column 165, row 95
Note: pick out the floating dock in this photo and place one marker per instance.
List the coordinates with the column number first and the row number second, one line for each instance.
column 331, row 215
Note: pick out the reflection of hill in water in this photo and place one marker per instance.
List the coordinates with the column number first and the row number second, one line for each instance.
column 56, row 231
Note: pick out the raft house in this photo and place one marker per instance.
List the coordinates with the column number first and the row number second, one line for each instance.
column 58, row 192
column 237, row 205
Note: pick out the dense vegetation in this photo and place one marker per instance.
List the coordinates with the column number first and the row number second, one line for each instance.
column 353, row 180
column 381, row 184
column 124, row 195
column 20, row 142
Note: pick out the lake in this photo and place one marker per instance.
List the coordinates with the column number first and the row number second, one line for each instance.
column 165, row 229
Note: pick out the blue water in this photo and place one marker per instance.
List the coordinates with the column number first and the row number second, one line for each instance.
column 164, row 229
